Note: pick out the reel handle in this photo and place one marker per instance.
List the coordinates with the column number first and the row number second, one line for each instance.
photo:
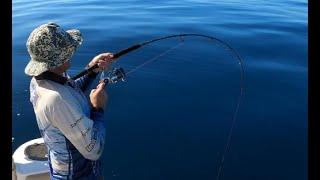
column 117, row 74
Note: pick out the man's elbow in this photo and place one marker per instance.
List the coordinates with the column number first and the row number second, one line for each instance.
column 94, row 153
column 92, row 156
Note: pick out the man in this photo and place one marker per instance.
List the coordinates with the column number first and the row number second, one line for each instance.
column 72, row 127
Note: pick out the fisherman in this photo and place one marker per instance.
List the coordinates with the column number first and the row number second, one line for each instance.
column 72, row 126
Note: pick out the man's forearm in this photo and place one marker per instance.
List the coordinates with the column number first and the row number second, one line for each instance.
column 84, row 82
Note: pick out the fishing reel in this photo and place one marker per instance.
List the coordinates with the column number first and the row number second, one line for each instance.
column 114, row 76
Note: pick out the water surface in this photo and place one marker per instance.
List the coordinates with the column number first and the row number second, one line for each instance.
column 170, row 119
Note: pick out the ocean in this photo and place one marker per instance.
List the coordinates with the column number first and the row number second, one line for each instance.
column 170, row 119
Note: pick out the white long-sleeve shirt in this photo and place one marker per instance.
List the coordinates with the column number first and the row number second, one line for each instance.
column 72, row 132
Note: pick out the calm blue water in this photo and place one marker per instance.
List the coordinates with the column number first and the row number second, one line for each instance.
column 170, row 120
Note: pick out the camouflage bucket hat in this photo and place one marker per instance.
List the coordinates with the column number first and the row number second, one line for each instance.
column 50, row 46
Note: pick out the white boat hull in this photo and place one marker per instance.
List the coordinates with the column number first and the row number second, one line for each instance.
column 24, row 168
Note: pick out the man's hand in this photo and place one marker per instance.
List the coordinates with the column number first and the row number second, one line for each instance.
column 98, row 96
column 103, row 60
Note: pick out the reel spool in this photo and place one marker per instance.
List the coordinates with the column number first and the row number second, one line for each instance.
column 115, row 76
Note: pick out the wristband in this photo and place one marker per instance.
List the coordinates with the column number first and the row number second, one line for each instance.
column 94, row 109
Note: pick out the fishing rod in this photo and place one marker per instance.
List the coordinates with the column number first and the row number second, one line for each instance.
column 119, row 74
column 137, row 46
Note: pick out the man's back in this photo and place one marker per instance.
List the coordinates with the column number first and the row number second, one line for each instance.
column 57, row 105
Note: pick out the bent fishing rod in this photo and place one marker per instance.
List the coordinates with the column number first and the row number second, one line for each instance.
column 137, row 46
column 119, row 74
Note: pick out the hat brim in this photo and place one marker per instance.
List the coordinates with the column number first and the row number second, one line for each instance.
column 35, row 68
column 76, row 36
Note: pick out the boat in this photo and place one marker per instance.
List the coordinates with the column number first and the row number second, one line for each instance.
column 30, row 161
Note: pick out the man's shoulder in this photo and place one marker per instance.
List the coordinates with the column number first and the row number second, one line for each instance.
column 47, row 89
column 48, row 93
column 49, row 99
column 52, row 94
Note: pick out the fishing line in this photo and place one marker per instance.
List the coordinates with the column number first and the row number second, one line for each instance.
column 153, row 59
column 120, row 74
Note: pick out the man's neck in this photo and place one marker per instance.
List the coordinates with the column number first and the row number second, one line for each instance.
column 60, row 73
column 49, row 75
